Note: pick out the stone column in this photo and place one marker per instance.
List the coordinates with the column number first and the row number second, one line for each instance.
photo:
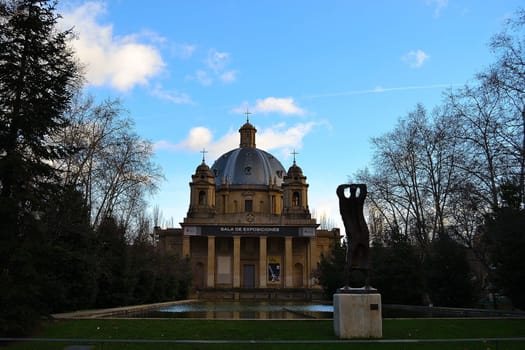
column 186, row 246
column 288, row 269
column 236, row 261
column 263, row 262
column 307, row 281
column 314, row 255
column 210, row 281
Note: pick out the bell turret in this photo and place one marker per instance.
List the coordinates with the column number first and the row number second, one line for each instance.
column 202, row 191
column 295, row 193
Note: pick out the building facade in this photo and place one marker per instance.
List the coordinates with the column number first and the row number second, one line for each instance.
column 248, row 224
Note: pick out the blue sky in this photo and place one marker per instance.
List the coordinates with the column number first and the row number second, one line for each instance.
column 320, row 77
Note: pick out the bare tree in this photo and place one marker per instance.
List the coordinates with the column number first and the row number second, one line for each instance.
column 157, row 216
column 413, row 176
column 325, row 221
column 388, row 211
column 479, row 110
column 399, row 159
column 112, row 165
column 507, row 76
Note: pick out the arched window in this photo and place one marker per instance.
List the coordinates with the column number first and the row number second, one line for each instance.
column 296, row 199
column 202, row 198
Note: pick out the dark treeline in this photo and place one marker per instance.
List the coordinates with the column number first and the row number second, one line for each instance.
column 402, row 275
column 447, row 191
column 74, row 177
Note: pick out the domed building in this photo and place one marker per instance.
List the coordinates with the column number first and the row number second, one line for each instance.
column 248, row 228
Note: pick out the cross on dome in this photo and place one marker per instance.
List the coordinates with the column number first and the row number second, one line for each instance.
column 247, row 113
column 203, row 154
column 294, row 154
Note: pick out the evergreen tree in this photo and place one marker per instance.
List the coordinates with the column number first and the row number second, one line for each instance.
column 504, row 233
column 144, row 266
column 37, row 78
column 331, row 269
column 154, row 275
column 448, row 276
column 397, row 272
column 113, row 265
column 71, row 279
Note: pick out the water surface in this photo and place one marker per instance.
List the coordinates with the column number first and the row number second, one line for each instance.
column 263, row 310
column 241, row 310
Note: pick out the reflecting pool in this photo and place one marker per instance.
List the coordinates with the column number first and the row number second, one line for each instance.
column 264, row 310
column 241, row 310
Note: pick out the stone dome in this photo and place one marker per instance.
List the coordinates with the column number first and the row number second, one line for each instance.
column 248, row 166
column 295, row 170
column 203, row 168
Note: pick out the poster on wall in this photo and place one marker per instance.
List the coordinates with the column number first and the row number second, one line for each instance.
column 224, row 269
column 274, row 269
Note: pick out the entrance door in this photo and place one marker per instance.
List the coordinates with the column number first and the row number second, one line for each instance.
column 248, row 276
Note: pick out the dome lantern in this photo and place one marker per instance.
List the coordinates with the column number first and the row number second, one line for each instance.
column 248, row 165
column 247, row 132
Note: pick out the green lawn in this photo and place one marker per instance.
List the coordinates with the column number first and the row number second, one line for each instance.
column 276, row 330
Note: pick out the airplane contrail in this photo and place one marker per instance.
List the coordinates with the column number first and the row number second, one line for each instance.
column 379, row 89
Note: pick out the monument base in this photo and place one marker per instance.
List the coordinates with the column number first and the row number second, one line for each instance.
column 357, row 315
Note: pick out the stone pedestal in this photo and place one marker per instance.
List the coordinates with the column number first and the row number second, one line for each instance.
column 357, row 315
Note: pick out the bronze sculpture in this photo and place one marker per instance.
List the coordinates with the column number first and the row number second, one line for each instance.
column 357, row 234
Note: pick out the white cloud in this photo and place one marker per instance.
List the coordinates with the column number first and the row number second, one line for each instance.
column 203, row 77
column 121, row 62
column 284, row 139
column 229, row 76
column 183, row 51
column 416, row 58
column 278, row 138
column 286, row 106
column 197, row 139
column 165, row 145
column 280, row 105
column 226, row 143
column 217, row 60
column 438, row 6
column 216, row 69
column 200, row 138
column 172, row 96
